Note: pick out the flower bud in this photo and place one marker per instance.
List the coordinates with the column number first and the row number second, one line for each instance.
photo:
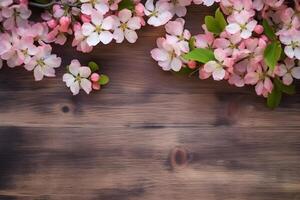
column 95, row 77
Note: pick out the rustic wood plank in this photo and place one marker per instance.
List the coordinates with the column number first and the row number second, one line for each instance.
column 148, row 135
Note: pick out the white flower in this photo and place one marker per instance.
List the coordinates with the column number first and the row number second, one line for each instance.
column 78, row 78
column 166, row 56
column 242, row 25
column 292, row 42
column 98, row 30
column 158, row 15
column 43, row 63
column 126, row 27
column 88, row 6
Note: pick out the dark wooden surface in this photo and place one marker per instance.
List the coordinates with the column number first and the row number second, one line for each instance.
column 148, row 135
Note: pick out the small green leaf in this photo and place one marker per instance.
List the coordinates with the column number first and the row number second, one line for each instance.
column 201, row 55
column 192, row 43
column 274, row 98
column 268, row 30
column 93, row 66
column 288, row 89
column 212, row 25
column 103, row 79
column 272, row 54
column 219, row 17
column 126, row 4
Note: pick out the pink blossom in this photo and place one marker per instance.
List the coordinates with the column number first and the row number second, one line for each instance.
column 288, row 71
column 158, row 14
column 98, row 30
column 43, row 63
column 243, row 25
column 166, row 56
column 126, row 26
column 77, row 78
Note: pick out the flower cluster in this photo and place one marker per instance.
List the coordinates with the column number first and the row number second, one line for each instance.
column 247, row 42
column 23, row 43
column 258, row 43
column 94, row 22
column 84, row 77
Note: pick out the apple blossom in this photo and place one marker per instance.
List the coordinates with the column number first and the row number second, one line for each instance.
column 159, row 14
column 126, row 26
column 77, row 78
column 288, row 71
column 43, row 63
column 98, row 29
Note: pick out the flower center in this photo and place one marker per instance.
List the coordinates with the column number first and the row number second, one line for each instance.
column 123, row 26
column 40, row 62
column 98, row 29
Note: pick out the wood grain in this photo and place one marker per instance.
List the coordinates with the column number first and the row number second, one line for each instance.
column 148, row 135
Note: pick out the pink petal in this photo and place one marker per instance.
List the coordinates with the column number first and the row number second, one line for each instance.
column 296, row 72
column 210, row 66
column 106, row 37
column 233, row 28
column 131, row 36
column 287, row 79
column 86, row 85
column 125, row 15
column 84, row 72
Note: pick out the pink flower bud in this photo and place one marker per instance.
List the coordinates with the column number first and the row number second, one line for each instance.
column 85, row 18
column 259, row 29
column 95, row 77
column 139, row 9
column 192, row 64
column 24, row 2
column 264, row 38
column 64, row 22
column 52, row 23
column 76, row 26
column 96, row 86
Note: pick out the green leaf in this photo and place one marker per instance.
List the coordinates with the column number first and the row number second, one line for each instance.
column 129, row 4
column 219, row 17
column 212, row 25
column 201, row 55
column 184, row 71
column 272, row 54
column 103, row 79
column 274, row 98
column 93, row 66
column 269, row 31
column 288, row 89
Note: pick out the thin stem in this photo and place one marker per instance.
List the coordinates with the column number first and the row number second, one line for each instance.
column 47, row 5
column 42, row 5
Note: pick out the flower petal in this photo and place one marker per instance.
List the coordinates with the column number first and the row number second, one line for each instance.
column 87, row 29
column 86, row 85
column 233, row 28
column 131, row 36
column 74, row 67
column 105, row 37
column 74, row 87
column 93, row 39
column 68, row 79
column 84, row 72
column 296, row 72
